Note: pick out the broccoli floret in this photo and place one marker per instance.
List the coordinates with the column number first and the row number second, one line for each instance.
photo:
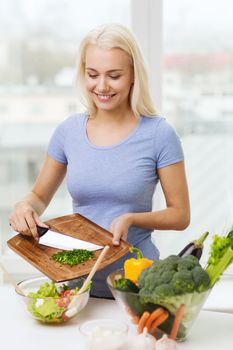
column 142, row 277
column 188, row 262
column 164, row 289
column 173, row 281
column 182, row 282
column 152, row 280
column 173, row 259
column 167, row 276
column 200, row 278
column 170, row 263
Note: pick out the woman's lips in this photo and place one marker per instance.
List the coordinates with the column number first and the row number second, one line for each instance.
column 104, row 98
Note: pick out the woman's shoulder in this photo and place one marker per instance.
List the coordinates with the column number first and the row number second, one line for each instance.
column 158, row 127
column 152, row 119
column 73, row 118
column 156, row 122
column 71, row 122
column 166, row 142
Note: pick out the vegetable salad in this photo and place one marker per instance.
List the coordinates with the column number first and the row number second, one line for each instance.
column 49, row 304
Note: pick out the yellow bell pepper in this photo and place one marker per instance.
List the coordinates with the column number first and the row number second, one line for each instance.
column 133, row 267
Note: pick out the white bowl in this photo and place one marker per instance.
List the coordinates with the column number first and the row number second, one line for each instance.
column 52, row 309
column 104, row 334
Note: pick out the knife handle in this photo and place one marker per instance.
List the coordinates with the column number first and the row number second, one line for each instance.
column 41, row 230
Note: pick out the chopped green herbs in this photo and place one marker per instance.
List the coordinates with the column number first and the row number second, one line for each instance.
column 73, row 257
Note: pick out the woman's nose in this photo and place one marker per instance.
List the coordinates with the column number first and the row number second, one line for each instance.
column 102, row 84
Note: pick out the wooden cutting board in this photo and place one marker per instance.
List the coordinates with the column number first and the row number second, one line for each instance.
column 75, row 225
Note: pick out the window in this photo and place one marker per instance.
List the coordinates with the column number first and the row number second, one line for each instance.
column 197, row 89
column 38, row 46
column 39, row 42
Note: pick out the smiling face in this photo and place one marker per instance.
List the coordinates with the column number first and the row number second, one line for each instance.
column 108, row 77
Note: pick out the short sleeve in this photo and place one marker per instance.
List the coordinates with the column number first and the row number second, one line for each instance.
column 56, row 146
column 168, row 146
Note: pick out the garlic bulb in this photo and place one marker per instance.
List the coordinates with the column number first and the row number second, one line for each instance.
column 143, row 341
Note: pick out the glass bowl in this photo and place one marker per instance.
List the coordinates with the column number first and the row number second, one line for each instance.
column 104, row 334
column 134, row 305
column 52, row 309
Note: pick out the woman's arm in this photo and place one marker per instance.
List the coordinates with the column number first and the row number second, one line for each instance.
column 25, row 215
column 176, row 215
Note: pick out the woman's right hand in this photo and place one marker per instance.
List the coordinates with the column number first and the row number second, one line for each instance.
column 25, row 216
column 24, row 219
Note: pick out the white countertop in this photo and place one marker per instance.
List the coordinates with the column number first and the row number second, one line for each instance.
column 212, row 330
column 221, row 296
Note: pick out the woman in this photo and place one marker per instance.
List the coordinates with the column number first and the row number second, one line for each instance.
column 114, row 154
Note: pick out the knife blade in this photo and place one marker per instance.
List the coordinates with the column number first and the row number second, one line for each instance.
column 58, row 240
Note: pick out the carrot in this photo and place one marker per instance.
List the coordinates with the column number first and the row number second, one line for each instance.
column 177, row 321
column 159, row 320
column 142, row 321
column 153, row 316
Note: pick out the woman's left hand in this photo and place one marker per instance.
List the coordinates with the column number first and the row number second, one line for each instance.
column 119, row 228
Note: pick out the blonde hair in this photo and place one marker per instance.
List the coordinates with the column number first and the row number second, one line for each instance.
column 117, row 36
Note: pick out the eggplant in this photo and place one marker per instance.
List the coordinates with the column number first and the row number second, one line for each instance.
column 195, row 247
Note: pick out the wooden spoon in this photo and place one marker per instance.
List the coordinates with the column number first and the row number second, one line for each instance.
column 75, row 302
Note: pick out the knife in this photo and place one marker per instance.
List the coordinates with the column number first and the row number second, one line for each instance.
column 60, row 241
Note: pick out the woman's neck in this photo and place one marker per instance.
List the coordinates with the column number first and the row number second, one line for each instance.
column 117, row 116
column 107, row 129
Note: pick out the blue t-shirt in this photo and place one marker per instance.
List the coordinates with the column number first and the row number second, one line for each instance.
column 108, row 181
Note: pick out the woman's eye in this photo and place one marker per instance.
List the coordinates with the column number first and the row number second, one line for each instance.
column 93, row 76
column 114, row 76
